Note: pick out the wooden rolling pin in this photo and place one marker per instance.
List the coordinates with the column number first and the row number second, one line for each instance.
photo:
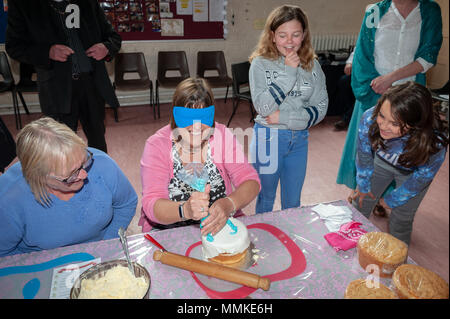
column 212, row 270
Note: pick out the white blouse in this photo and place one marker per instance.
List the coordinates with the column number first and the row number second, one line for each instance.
column 397, row 40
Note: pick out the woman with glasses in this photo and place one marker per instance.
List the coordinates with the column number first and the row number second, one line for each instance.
column 60, row 192
column 193, row 169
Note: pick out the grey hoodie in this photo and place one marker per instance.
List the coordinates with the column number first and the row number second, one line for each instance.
column 301, row 96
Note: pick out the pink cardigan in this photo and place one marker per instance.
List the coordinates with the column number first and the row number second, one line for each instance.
column 157, row 167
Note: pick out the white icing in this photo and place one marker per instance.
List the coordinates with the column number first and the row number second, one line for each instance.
column 226, row 241
column 117, row 283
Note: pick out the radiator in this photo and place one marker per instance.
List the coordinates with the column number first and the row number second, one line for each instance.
column 322, row 42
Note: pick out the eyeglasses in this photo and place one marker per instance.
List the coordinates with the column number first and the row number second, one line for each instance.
column 74, row 176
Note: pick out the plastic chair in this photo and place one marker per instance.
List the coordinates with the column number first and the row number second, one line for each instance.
column 133, row 62
column 214, row 60
column 7, row 145
column 26, row 83
column 239, row 72
column 8, row 84
column 170, row 61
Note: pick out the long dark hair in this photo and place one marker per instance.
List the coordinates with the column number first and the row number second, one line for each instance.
column 412, row 107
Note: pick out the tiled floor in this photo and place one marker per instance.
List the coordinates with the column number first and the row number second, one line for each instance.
column 430, row 239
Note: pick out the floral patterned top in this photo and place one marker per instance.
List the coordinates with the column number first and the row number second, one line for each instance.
column 180, row 190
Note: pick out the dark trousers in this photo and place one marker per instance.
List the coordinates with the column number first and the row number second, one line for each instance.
column 89, row 108
column 402, row 217
column 343, row 99
column 346, row 97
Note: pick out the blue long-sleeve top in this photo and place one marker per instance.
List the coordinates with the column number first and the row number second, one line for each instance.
column 420, row 176
column 106, row 202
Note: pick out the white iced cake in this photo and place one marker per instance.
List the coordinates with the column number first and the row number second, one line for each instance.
column 229, row 245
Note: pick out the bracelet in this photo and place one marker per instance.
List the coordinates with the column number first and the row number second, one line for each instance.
column 181, row 212
column 234, row 206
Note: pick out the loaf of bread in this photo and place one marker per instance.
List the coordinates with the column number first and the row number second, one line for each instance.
column 381, row 250
column 415, row 282
column 361, row 289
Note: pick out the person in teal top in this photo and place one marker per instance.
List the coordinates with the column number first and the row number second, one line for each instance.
column 398, row 42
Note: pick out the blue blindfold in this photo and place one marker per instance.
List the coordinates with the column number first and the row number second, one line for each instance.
column 184, row 116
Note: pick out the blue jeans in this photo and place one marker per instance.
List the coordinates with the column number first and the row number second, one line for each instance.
column 279, row 155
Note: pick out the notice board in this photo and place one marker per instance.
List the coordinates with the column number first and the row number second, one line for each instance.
column 3, row 19
column 166, row 19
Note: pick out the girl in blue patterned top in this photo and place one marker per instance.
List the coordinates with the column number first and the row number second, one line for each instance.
column 402, row 138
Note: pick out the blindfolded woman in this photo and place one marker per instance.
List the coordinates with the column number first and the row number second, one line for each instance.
column 193, row 169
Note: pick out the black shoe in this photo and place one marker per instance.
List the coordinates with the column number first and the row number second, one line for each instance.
column 340, row 125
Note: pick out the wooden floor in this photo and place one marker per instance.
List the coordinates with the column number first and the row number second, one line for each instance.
column 430, row 239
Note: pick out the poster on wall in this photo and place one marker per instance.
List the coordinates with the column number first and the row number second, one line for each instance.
column 200, row 10
column 184, row 7
column 3, row 19
column 124, row 16
column 143, row 19
column 216, row 10
column 172, row 27
column 164, row 10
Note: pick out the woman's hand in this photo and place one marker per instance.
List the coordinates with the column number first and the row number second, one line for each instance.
column 273, row 118
column 381, row 84
column 348, row 69
column 386, row 207
column 360, row 196
column 292, row 58
column 197, row 205
column 219, row 212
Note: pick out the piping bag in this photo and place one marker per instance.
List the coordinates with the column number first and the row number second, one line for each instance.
column 196, row 175
column 209, row 269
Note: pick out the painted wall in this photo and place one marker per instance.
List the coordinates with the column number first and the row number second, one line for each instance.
column 245, row 21
column 438, row 75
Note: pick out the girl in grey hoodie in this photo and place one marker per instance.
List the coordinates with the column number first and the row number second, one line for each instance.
column 289, row 94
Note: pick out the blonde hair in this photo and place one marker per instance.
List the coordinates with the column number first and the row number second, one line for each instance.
column 267, row 48
column 194, row 93
column 45, row 146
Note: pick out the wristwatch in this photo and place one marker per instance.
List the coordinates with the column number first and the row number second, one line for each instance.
column 181, row 211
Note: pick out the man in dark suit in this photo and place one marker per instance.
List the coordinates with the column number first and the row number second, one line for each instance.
column 67, row 42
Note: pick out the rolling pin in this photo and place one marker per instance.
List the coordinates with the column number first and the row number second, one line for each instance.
column 212, row 270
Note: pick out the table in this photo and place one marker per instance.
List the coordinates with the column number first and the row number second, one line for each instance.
column 281, row 239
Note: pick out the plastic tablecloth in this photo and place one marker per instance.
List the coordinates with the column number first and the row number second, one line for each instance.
column 289, row 245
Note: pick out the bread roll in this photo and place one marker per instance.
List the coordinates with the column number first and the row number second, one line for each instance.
column 382, row 250
column 359, row 289
column 415, row 282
